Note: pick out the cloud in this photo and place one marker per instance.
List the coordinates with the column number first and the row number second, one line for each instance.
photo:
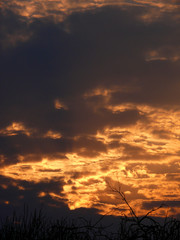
column 59, row 10
column 17, row 192
column 88, row 97
column 55, row 60
column 150, row 205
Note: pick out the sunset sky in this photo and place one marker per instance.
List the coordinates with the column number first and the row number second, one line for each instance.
column 89, row 100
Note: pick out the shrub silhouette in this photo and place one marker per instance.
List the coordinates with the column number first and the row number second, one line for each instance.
column 146, row 227
column 36, row 226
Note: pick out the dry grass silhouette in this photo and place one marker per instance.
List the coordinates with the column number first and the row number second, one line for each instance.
column 37, row 227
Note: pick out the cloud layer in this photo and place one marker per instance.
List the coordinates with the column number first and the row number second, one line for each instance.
column 90, row 100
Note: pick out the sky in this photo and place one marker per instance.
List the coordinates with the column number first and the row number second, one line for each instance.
column 90, row 101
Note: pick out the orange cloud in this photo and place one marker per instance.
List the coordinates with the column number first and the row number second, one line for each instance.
column 14, row 129
column 59, row 9
column 119, row 124
column 133, row 160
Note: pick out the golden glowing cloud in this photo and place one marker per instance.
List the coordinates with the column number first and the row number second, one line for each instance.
column 59, row 9
column 14, row 129
column 60, row 105
column 140, row 157
column 53, row 135
column 160, row 54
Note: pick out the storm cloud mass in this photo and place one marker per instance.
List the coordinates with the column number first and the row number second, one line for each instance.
column 90, row 95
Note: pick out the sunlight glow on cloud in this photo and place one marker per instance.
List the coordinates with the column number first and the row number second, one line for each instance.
column 53, row 135
column 60, row 105
column 14, row 129
column 132, row 153
column 60, row 9
column 90, row 100
column 166, row 55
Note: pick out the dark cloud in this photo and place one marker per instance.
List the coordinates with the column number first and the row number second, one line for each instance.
column 75, row 174
column 32, row 149
column 54, row 63
column 19, row 193
column 173, row 177
column 106, row 48
column 170, row 169
column 154, row 204
column 131, row 151
column 88, row 147
column 14, row 30
column 162, row 134
column 51, row 170
column 91, row 181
